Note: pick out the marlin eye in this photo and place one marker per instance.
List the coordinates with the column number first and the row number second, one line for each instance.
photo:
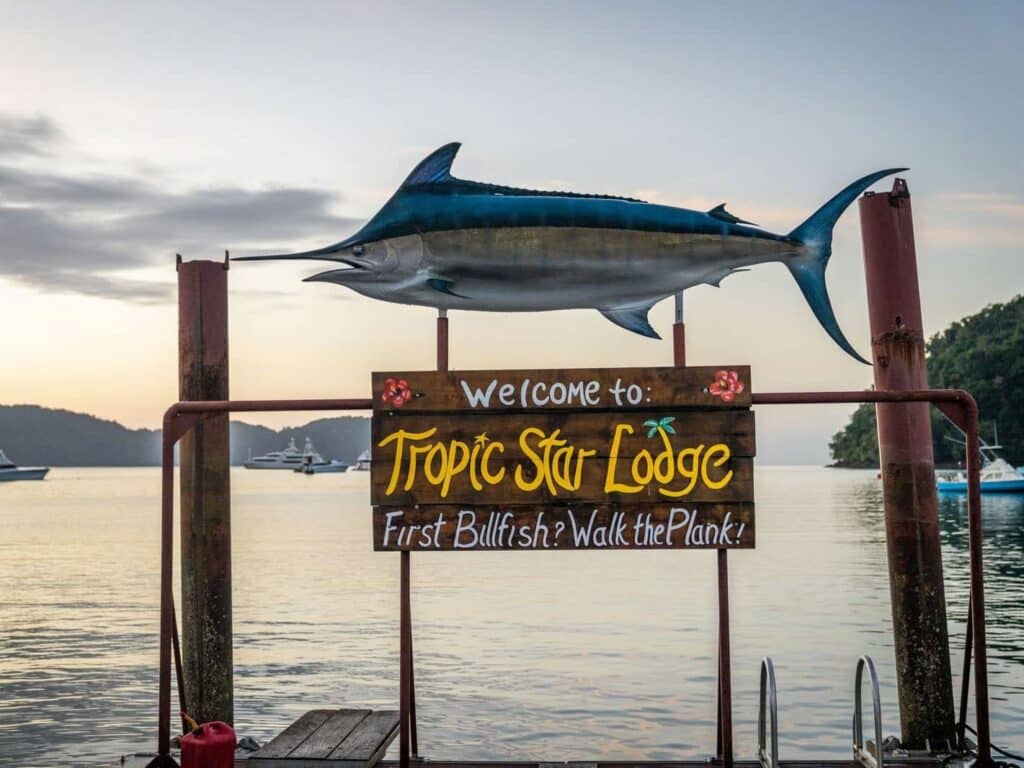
column 358, row 250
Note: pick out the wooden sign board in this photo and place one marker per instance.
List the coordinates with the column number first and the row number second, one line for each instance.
column 567, row 459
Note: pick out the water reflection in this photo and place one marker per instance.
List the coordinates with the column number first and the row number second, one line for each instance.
column 577, row 654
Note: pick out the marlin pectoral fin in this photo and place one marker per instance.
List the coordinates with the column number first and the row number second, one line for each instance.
column 632, row 319
column 719, row 212
column 717, row 278
column 446, row 287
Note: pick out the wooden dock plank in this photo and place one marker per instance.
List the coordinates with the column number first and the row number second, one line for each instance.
column 368, row 742
column 292, row 736
column 420, row 763
column 331, row 734
column 811, row 763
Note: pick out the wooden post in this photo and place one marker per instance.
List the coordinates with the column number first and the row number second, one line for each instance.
column 908, row 471
column 205, row 493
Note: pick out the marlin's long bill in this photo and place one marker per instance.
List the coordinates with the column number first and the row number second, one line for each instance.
column 446, row 242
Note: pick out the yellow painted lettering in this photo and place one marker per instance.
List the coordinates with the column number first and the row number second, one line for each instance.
column 611, row 485
column 485, row 472
column 399, row 438
column 722, row 452
column 688, row 468
column 535, row 459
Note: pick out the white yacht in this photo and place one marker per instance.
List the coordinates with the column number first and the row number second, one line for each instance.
column 289, row 458
column 11, row 471
column 306, row 460
column 363, row 462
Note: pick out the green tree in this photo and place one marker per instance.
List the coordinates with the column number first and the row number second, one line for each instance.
column 983, row 354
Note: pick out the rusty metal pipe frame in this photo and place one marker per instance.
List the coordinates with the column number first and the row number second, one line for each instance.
column 956, row 403
column 961, row 407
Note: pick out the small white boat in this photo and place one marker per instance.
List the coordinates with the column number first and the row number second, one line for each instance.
column 309, row 467
column 315, row 464
column 11, row 471
column 363, row 462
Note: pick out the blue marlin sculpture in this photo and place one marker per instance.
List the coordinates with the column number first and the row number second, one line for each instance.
column 454, row 244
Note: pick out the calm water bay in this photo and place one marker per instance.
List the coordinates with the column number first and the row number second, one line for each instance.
column 524, row 655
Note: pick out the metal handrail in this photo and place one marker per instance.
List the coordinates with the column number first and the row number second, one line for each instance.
column 860, row 754
column 768, row 696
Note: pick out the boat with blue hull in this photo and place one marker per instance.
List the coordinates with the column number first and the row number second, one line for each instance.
column 997, row 476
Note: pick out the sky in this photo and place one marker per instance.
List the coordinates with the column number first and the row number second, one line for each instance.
column 133, row 131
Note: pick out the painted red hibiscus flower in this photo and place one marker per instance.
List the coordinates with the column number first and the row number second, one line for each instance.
column 396, row 392
column 726, row 385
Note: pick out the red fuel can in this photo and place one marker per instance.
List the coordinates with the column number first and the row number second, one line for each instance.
column 211, row 745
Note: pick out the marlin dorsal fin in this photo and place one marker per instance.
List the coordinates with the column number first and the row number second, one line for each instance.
column 719, row 212
column 435, row 167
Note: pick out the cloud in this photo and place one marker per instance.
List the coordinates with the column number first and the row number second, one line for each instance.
column 21, row 136
column 80, row 233
column 997, row 204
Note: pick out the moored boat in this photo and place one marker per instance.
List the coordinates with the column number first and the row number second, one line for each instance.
column 363, row 462
column 289, row 458
column 997, row 476
column 11, row 471
column 315, row 464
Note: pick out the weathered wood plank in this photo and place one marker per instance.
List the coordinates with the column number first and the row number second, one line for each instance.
column 633, row 764
column 560, row 389
column 292, row 736
column 328, row 736
column 580, row 429
column 367, row 743
column 588, row 480
column 515, row 527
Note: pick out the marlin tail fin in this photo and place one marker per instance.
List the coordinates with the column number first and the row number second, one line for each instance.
column 809, row 268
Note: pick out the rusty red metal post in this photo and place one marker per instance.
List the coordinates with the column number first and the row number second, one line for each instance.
column 404, row 663
column 206, row 625
column 725, row 755
column 679, row 334
column 408, row 738
column 908, row 471
column 163, row 747
column 442, row 341
column 977, row 599
column 723, row 730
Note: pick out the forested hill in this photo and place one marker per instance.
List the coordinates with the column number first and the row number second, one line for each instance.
column 33, row 435
column 984, row 354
